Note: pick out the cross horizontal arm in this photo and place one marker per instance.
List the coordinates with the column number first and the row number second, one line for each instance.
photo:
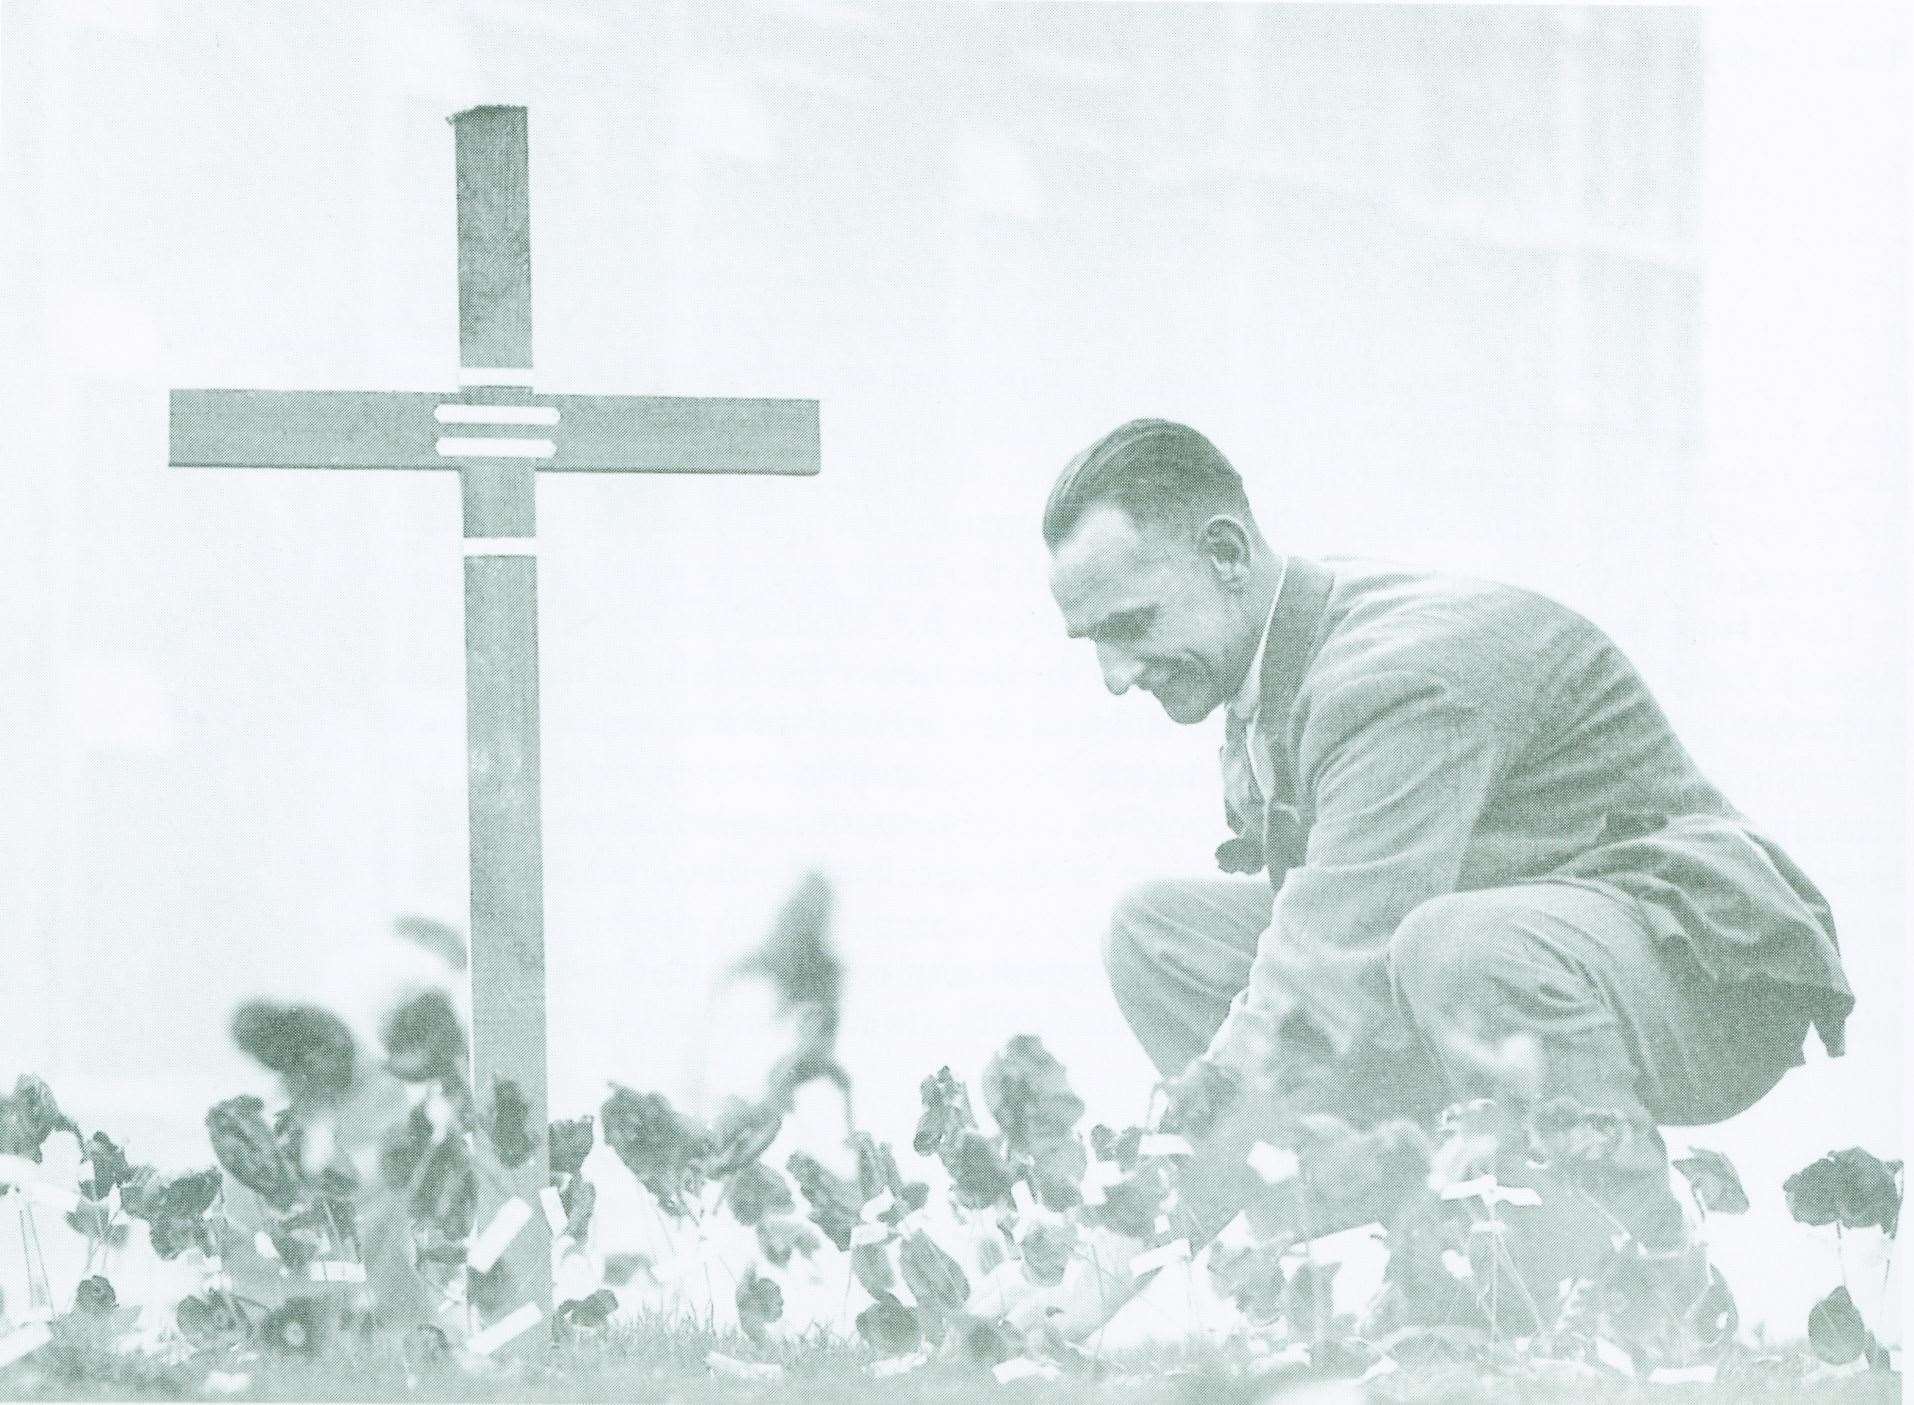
column 564, row 433
column 304, row 429
column 681, row 434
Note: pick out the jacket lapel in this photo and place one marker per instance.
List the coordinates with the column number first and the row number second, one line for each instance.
column 1295, row 634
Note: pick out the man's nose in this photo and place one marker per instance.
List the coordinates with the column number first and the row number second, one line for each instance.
column 1120, row 671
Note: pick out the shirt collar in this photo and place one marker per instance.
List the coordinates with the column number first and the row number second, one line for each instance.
column 1250, row 696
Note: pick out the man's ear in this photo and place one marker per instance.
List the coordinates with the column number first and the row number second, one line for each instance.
column 1225, row 545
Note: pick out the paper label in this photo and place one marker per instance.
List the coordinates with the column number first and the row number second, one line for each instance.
column 520, row 1320
column 493, row 1239
column 336, row 1272
column 554, row 1208
column 1021, row 1368
column 1176, row 1251
column 1163, row 1144
column 898, row 1365
column 1274, row 1164
column 1703, row 1374
column 743, row 1370
column 1614, row 1357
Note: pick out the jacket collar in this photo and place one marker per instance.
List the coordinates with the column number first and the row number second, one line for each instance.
column 1296, row 627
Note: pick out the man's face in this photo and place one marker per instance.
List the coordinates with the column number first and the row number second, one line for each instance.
column 1158, row 609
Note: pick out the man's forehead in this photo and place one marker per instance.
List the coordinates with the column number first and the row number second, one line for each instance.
column 1101, row 564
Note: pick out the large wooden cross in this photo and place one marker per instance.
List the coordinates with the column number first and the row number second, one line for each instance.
column 496, row 432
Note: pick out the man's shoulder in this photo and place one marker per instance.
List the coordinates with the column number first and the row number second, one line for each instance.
column 1482, row 638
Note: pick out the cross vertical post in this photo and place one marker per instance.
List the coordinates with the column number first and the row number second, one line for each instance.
column 498, row 433
column 501, row 666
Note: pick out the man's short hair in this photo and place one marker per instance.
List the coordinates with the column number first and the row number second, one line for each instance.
column 1160, row 472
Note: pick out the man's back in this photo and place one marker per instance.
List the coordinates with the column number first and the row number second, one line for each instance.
column 1581, row 776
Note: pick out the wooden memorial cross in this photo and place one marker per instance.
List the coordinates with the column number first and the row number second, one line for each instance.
column 496, row 432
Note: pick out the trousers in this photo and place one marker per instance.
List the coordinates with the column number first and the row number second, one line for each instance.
column 1621, row 1021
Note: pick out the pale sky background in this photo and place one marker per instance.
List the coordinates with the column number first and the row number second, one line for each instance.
column 1409, row 269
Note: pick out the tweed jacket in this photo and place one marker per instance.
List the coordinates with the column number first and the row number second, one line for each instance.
column 1427, row 734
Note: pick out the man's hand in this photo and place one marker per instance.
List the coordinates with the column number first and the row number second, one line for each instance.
column 1195, row 1099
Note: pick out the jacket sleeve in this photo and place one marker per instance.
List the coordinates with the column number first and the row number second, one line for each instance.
column 1396, row 767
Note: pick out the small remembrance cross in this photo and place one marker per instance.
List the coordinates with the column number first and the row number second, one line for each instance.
column 496, row 432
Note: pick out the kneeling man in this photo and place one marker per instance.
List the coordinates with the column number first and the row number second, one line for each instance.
column 1460, row 823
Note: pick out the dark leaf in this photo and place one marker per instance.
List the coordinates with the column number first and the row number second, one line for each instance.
column 1120, row 1147
column 1029, row 1095
column 1835, row 1329
column 1597, row 1139
column 755, row 1191
column 107, row 1165
column 248, row 1151
column 187, row 1196
column 426, row 1345
column 834, row 1202
column 872, row 1265
column 620, row 1269
column 209, row 1319
column 935, row 1279
column 29, row 1117
column 310, row 1049
column 405, row 1147
column 946, row 1112
column 778, row 1239
column 1308, row 1305
column 509, row 1124
column 1196, row 1098
column 1131, row 1205
column 443, row 941
column 663, row 1148
column 796, row 957
column 592, row 1311
column 739, row 1136
column 1056, row 1172
column 1713, row 1178
column 1251, row 1276
column 1047, row 1250
column 95, row 1295
column 977, row 1172
column 983, row 1342
column 571, row 1143
column 760, row 1302
column 578, row 1199
column 1378, row 1167
column 889, row 1326
column 425, row 1040
column 93, row 1220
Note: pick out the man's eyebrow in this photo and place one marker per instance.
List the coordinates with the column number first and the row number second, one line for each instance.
column 1098, row 626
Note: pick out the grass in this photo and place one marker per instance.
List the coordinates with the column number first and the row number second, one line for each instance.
column 664, row 1359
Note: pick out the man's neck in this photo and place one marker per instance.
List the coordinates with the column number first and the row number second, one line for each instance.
column 1265, row 587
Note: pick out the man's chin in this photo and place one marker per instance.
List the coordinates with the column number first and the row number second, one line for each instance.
column 1186, row 712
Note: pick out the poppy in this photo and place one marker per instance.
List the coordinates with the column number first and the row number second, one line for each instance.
column 760, row 1302
column 570, row 1142
column 424, row 1040
column 295, row 1328
column 1852, row 1188
column 309, row 1048
column 507, row 1124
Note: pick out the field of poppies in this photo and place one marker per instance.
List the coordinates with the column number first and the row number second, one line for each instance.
column 333, row 1247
